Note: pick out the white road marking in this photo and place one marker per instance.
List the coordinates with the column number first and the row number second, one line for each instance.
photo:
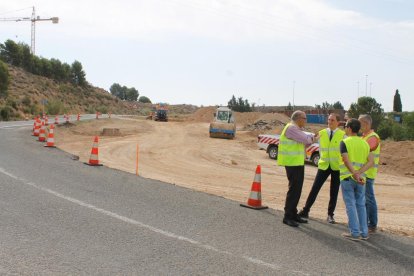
column 13, row 126
column 146, row 226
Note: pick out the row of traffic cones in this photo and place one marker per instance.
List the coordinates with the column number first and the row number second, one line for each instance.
column 39, row 130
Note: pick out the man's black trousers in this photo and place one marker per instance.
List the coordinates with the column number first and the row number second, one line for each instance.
column 320, row 179
column 295, row 175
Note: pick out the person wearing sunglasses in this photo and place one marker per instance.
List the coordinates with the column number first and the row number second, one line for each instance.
column 291, row 155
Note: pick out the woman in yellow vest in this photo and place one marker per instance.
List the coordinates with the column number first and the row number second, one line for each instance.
column 291, row 155
column 328, row 165
column 356, row 160
column 373, row 141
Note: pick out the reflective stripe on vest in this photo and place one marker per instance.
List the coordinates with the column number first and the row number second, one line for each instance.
column 372, row 172
column 358, row 151
column 330, row 154
column 290, row 153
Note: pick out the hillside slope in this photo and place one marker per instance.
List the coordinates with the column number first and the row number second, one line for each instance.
column 31, row 94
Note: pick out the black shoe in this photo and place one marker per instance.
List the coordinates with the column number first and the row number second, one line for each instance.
column 300, row 220
column 290, row 222
column 303, row 214
column 331, row 219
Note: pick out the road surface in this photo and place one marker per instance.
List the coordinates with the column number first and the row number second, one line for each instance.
column 59, row 216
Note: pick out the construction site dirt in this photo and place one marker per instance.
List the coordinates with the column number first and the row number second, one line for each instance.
column 180, row 152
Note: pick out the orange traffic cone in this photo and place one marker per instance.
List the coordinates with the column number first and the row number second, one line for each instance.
column 56, row 120
column 42, row 133
column 46, row 121
column 93, row 159
column 50, row 143
column 78, row 118
column 37, row 127
column 255, row 198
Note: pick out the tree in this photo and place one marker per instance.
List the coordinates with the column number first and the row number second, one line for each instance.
column 78, row 75
column 289, row 107
column 239, row 105
column 10, row 52
column 116, row 90
column 338, row 105
column 397, row 102
column 367, row 105
column 131, row 94
column 144, row 99
column 408, row 123
column 4, row 79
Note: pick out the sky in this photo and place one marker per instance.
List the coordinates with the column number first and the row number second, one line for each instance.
column 202, row 52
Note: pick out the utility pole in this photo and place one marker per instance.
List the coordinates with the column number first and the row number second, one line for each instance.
column 293, row 95
column 33, row 19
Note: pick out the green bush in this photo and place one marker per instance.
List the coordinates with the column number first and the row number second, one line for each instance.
column 398, row 132
column 35, row 109
column 6, row 112
column 4, row 79
column 102, row 109
column 54, row 107
column 26, row 101
column 408, row 124
column 11, row 102
column 385, row 129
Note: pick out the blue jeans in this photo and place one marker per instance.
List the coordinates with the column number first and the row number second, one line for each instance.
column 354, row 198
column 371, row 203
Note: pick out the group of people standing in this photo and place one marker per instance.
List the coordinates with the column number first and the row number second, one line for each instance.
column 350, row 160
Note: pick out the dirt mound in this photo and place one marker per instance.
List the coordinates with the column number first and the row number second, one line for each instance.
column 203, row 115
column 397, row 158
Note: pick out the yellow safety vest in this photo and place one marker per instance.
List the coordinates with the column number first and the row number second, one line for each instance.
column 372, row 172
column 358, row 151
column 290, row 152
column 330, row 154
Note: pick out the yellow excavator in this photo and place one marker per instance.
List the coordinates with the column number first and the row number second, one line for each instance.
column 223, row 125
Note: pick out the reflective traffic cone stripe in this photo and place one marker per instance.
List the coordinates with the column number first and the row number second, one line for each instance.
column 37, row 128
column 93, row 159
column 255, row 198
column 42, row 133
column 51, row 137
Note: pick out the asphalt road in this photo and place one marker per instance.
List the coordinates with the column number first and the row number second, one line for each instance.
column 60, row 217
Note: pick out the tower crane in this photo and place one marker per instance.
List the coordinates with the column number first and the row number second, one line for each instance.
column 33, row 19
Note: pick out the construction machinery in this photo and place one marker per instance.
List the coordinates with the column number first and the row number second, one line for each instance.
column 224, row 125
column 161, row 112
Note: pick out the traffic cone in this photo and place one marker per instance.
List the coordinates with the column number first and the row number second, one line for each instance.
column 46, row 121
column 78, row 118
column 42, row 133
column 97, row 115
column 51, row 137
column 56, row 120
column 37, row 128
column 93, row 159
column 255, row 198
